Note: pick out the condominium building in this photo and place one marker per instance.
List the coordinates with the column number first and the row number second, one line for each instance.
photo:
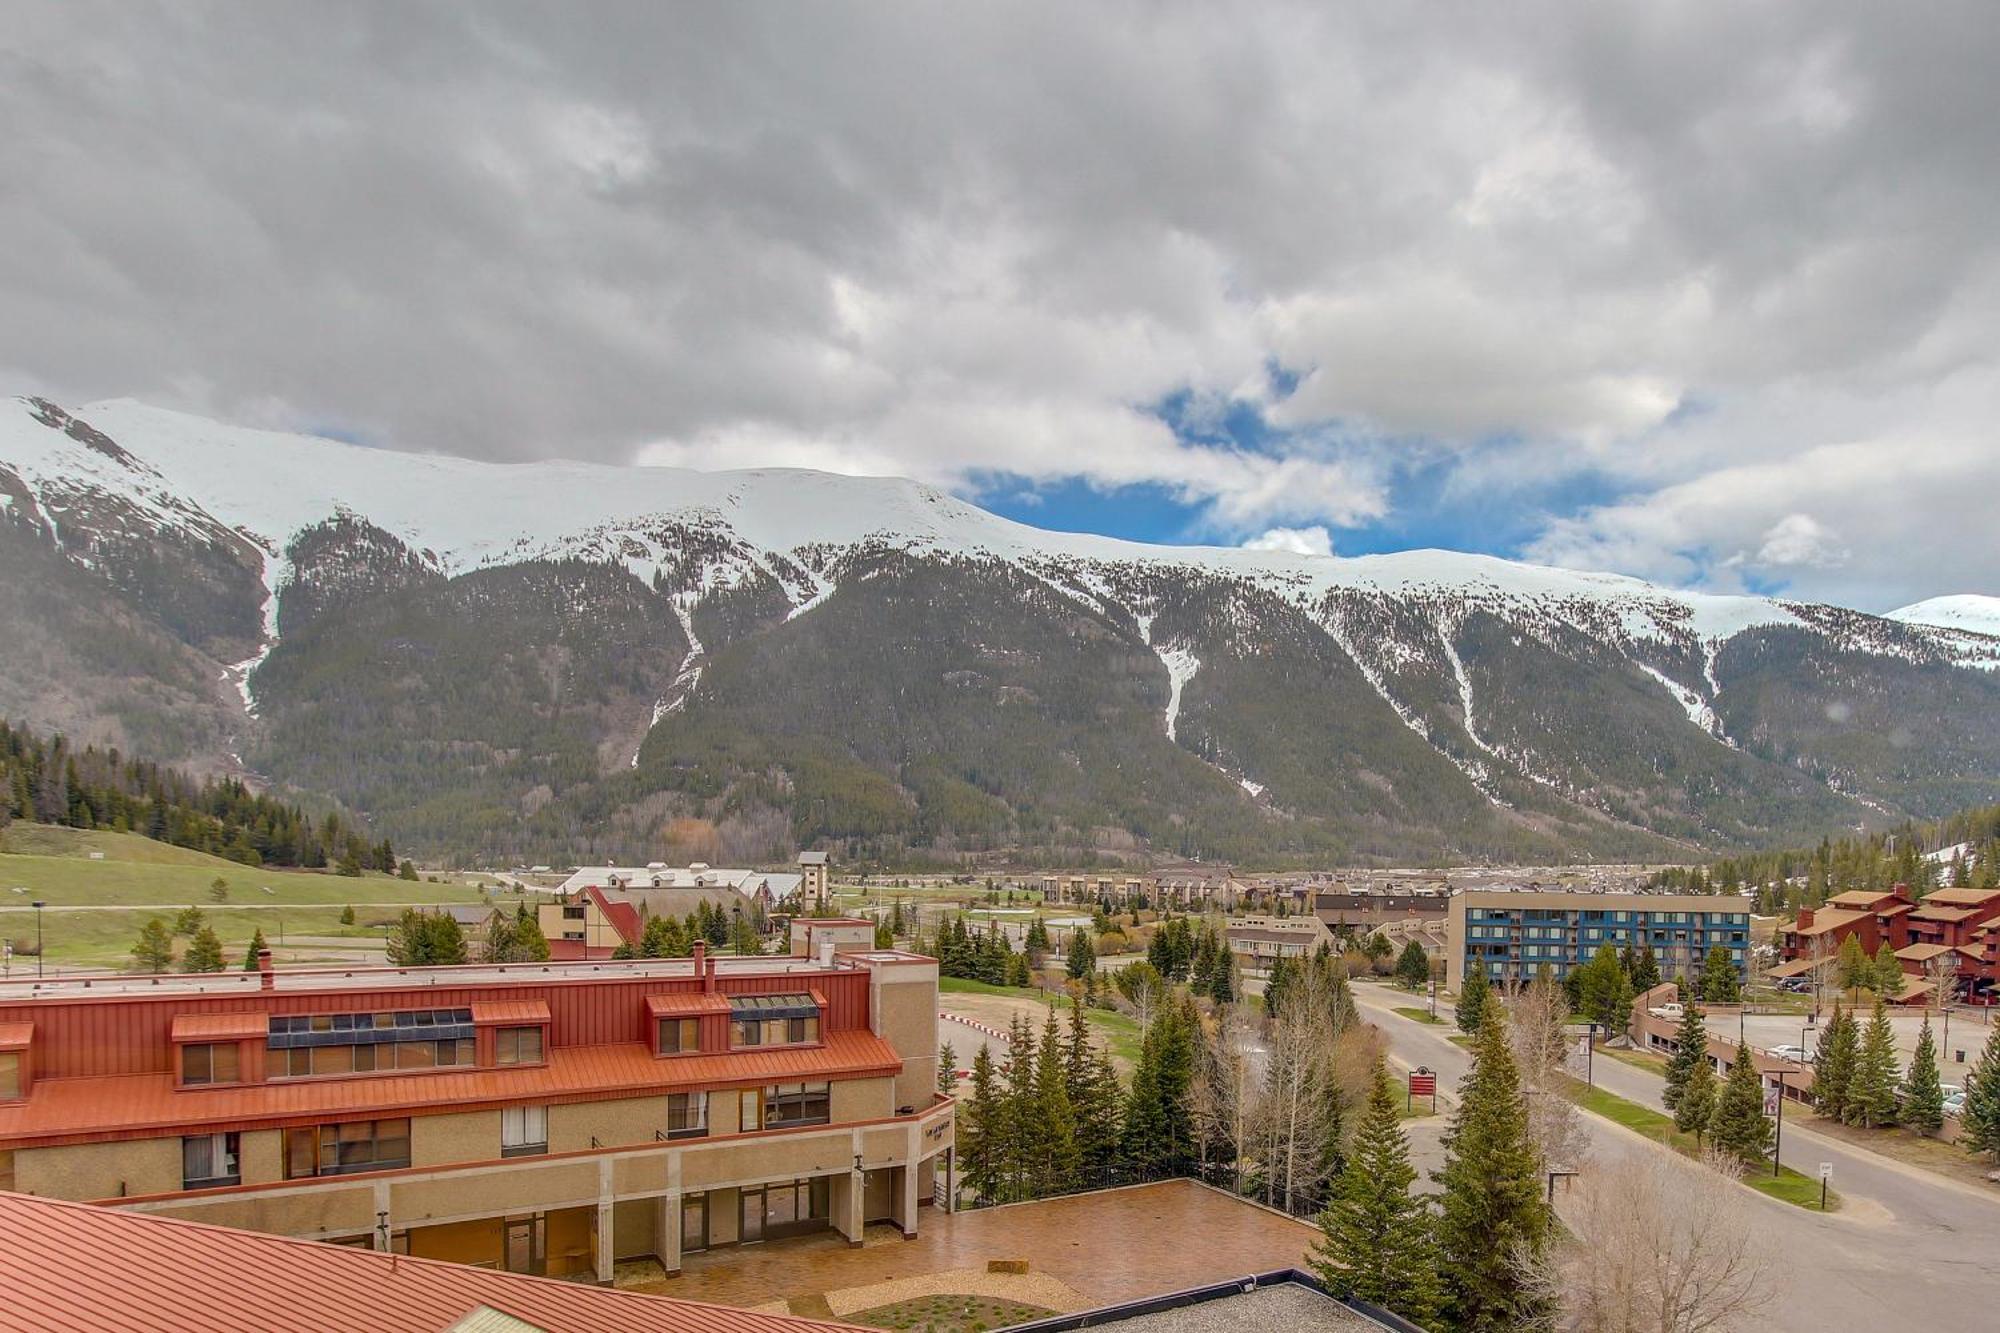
column 540, row 1118
column 1513, row 934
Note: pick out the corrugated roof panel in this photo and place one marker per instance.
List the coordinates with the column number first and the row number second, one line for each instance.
column 165, row 1276
column 220, row 1027
column 510, row 1011
column 61, row 1110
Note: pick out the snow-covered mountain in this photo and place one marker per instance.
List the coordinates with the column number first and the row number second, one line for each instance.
column 1974, row 613
column 614, row 630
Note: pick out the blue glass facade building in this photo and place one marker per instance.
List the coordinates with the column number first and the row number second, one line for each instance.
column 1513, row 934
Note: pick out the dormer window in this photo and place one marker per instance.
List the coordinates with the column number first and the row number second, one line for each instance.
column 773, row 1020
column 203, row 1063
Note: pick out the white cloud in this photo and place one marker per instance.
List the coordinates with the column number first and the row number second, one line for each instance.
column 1315, row 540
column 1691, row 253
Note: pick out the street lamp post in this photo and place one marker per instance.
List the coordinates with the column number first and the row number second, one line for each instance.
column 1777, row 1143
column 39, row 905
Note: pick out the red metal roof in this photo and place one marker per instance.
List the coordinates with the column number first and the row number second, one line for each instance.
column 73, row 1266
column 220, row 1027
column 16, row 1036
column 76, row 1110
column 624, row 917
column 687, row 1005
column 509, row 1011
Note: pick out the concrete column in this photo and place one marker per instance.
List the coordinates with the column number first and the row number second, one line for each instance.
column 667, row 1232
column 951, row 1178
column 384, row 1224
column 911, row 1152
column 857, row 1192
column 606, row 1249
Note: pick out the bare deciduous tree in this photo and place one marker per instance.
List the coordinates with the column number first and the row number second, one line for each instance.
column 1666, row 1247
column 1222, row 1100
column 1301, row 1096
column 1537, row 1019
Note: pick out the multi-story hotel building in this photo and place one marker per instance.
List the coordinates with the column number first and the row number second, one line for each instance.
column 539, row 1118
column 1513, row 934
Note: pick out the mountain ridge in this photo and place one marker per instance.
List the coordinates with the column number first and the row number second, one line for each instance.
column 293, row 544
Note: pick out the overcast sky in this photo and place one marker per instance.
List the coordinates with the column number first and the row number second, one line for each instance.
column 1703, row 293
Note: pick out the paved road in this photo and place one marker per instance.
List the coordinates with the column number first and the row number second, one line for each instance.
column 1909, row 1249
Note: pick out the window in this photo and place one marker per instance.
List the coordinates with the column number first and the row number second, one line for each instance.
column 687, row 1115
column 797, row 1104
column 338, row 1150
column 524, row 1131
column 209, row 1161
column 6, row 1168
column 313, row 1045
column 772, row 1020
column 208, row 1062
column 517, row 1046
column 10, row 1076
column 680, row 1036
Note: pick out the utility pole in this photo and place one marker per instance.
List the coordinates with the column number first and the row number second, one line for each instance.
column 1777, row 1143
column 39, row 905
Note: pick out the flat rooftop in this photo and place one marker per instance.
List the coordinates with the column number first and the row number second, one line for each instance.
column 238, row 982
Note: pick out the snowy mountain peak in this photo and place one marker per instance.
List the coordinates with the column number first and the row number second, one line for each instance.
column 1971, row 612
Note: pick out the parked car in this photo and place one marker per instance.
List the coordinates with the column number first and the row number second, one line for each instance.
column 1795, row 985
column 1954, row 1105
column 1671, row 1009
column 1798, row 1053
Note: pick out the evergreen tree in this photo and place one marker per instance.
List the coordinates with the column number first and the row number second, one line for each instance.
column 1694, row 1111
column 1159, row 1132
column 1020, row 1154
column 1833, row 1063
column 1494, row 1226
column 1690, row 1051
column 1738, row 1124
column 446, row 939
column 1413, row 966
column 1871, row 1094
column 981, row 1130
column 408, row 871
column 529, row 942
column 1855, row 972
column 204, row 952
column 1093, row 1096
column 347, row 915
column 154, row 951
column 1923, row 1094
column 1645, row 971
column 947, row 1070
column 1375, row 1236
column 1052, row 1124
column 409, row 941
column 1472, row 998
column 1605, row 991
column 1719, row 983
column 1889, row 979
column 499, row 942
column 1082, row 957
column 663, row 938
column 1222, row 978
column 189, row 922
column 1282, row 977
column 1980, row 1119
column 251, row 950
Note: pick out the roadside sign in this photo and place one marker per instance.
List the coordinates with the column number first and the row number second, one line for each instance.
column 1770, row 1101
column 1423, row 1083
column 1826, row 1170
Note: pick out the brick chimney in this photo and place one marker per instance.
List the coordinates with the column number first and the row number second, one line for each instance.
column 267, row 978
column 701, row 964
column 1805, row 918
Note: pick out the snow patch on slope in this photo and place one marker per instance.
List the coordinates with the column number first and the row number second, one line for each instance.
column 1696, row 707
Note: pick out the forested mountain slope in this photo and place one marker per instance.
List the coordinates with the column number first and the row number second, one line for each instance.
column 563, row 662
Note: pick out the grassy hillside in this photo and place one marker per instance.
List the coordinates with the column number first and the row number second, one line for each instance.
column 96, row 908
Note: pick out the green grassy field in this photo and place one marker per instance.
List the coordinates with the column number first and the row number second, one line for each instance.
column 1120, row 1031
column 1788, row 1185
column 1420, row 1015
column 96, row 908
